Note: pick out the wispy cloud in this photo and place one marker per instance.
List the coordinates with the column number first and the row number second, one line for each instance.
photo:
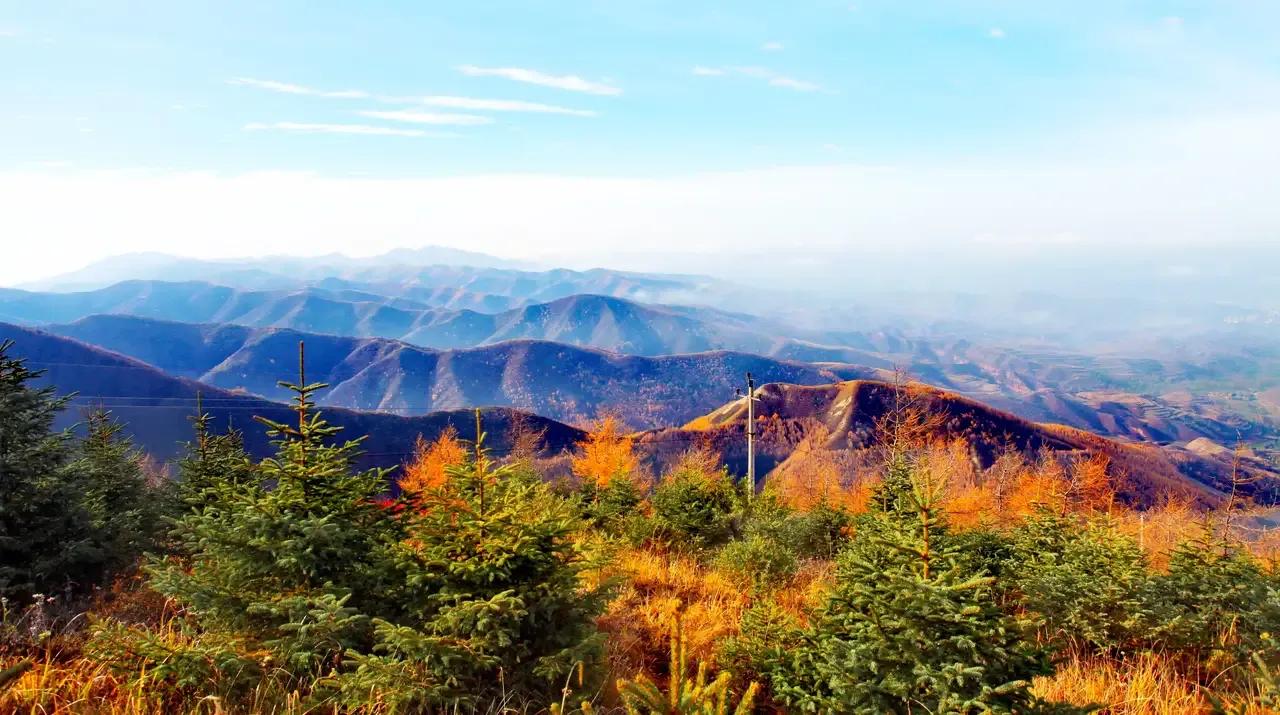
column 492, row 105
column 417, row 117
column 572, row 83
column 287, row 88
column 772, row 46
column 473, row 103
column 775, row 79
column 996, row 33
column 309, row 128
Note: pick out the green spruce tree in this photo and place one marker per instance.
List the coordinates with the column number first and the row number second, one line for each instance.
column 287, row 573
column 498, row 602
column 125, row 511
column 213, row 461
column 46, row 540
column 908, row 627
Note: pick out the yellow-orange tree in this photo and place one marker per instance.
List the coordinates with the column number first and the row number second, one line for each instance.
column 431, row 459
column 606, row 455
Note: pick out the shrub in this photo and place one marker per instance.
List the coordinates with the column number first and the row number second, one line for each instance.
column 611, row 506
column 1215, row 599
column 766, row 634
column 757, row 561
column 694, row 509
column 1086, row 584
column 908, row 628
column 495, row 602
column 816, row 533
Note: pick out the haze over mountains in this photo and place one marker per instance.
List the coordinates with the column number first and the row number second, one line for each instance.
column 1140, row 396
column 406, row 335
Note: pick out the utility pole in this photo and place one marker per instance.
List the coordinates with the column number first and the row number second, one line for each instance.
column 751, row 437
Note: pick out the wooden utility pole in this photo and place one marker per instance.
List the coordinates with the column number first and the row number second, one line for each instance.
column 751, row 437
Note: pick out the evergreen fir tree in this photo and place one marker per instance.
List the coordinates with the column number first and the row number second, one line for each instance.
column 498, row 599
column 1084, row 585
column 213, row 461
column 293, row 569
column 45, row 536
column 695, row 509
column 1216, row 601
column 125, row 512
column 908, row 628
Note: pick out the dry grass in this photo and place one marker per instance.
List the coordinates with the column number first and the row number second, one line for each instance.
column 1146, row 684
column 656, row 586
column 78, row 686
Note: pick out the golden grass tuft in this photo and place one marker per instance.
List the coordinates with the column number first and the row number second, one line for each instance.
column 1145, row 684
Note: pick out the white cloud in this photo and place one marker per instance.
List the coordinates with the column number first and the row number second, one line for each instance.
column 572, row 83
column 492, row 105
column 310, row 128
column 777, row 79
column 996, row 33
column 8, row 32
column 772, row 46
column 287, row 88
column 416, row 117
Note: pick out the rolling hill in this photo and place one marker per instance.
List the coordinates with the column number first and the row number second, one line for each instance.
column 1173, row 395
column 155, row 406
column 590, row 320
column 561, row 381
column 844, row 417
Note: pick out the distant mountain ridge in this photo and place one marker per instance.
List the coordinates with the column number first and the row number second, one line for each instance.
column 557, row 380
column 584, row 319
column 154, row 406
column 437, row 277
column 153, row 265
column 1140, row 398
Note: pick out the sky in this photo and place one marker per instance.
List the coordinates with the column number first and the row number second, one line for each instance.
column 733, row 136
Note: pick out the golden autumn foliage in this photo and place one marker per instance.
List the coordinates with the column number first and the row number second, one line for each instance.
column 1091, row 486
column 606, row 454
column 430, row 459
column 657, row 586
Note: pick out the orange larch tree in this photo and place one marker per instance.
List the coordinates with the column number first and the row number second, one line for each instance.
column 1091, row 488
column 606, row 454
column 430, row 459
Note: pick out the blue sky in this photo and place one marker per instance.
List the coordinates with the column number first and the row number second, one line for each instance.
column 501, row 100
